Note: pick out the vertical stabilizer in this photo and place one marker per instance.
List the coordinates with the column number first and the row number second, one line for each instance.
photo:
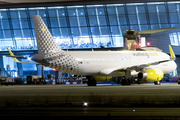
column 45, row 42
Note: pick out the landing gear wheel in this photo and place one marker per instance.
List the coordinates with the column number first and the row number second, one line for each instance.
column 126, row 82
column 94, row 83
column 123, row 82
column 139, row 81
column 157, row 83
column 89, row 83
column 178, row 81
column 90, row 80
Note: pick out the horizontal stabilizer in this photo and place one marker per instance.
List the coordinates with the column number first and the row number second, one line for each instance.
column 16, row 60
column 22, row 57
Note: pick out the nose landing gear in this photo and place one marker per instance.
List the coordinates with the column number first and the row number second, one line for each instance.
column 157, row 83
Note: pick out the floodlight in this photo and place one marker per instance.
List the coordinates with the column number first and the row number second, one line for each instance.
column 85, row 104
column 29, row 58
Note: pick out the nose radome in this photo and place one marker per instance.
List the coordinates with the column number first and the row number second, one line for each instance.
column 173, row 66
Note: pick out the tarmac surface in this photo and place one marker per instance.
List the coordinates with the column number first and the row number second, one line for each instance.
column 166, row 89
column 123, row 102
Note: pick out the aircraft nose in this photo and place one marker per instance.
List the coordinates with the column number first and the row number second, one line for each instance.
column 173, row 65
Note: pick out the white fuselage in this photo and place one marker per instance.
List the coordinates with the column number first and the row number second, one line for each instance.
column 93, row 62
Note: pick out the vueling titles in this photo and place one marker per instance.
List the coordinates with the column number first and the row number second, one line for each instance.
column 145, row 54
column 153, row 54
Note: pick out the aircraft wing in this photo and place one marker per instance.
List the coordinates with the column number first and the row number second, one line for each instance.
column 16, row 60
column 137, row 67
column 110, row 70
column 122, row 68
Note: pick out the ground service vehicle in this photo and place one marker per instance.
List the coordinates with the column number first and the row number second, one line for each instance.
column 35, row 80
column 6, row 80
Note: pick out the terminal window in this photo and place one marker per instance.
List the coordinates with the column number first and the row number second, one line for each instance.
column 175, row 38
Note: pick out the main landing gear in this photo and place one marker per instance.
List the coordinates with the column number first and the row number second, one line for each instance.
column 91, row 81
column 125, row 81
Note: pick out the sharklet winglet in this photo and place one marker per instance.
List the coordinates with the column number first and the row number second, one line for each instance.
column 173, row 57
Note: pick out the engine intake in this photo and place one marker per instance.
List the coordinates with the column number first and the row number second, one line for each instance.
column 142, row 76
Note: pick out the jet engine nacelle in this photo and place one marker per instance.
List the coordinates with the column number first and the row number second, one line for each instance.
column 151, row 75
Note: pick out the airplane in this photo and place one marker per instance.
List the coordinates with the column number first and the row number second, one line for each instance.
column 148, row 63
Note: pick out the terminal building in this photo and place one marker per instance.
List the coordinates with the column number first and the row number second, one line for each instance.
column 85, row 25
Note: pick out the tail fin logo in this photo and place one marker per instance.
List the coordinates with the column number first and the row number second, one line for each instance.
column 43, row 29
